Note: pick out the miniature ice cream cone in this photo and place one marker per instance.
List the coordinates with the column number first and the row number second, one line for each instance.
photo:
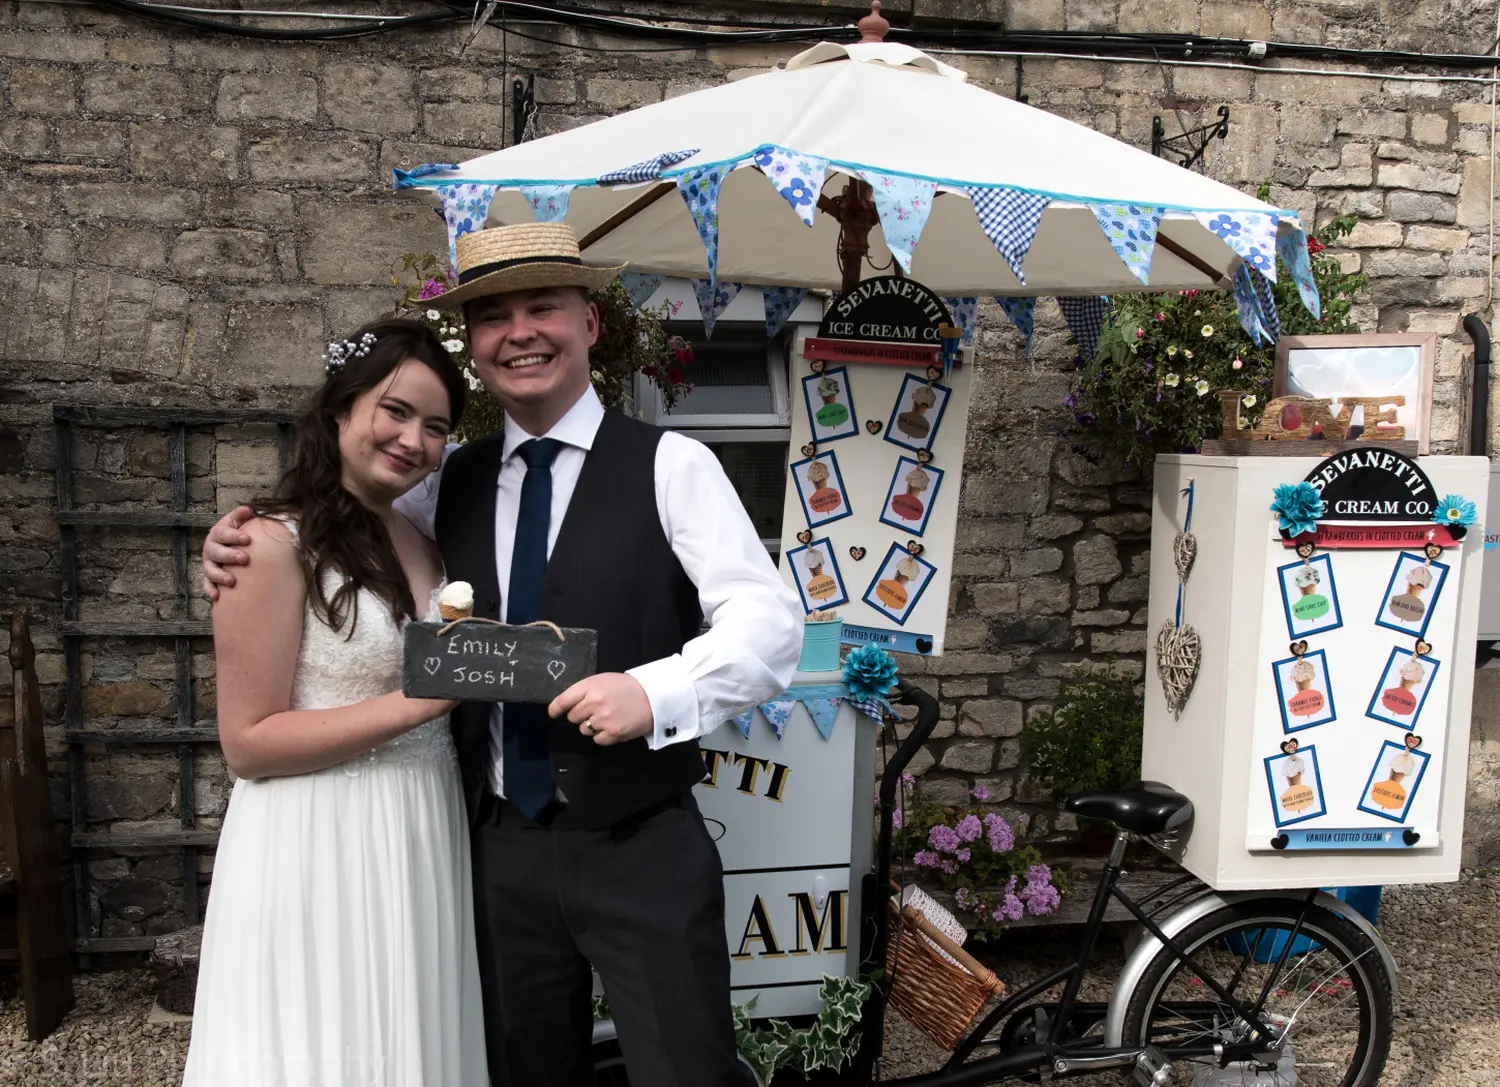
column 815, row 560
column 1417, row 579
column 1303, row 674
column 817, row 473
column 917, row 481
column 456, row 601
column 1307, row 580
column 828, row 390
column 906, row 570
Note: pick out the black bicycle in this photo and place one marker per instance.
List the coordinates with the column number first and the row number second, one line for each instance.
column 1265, row 988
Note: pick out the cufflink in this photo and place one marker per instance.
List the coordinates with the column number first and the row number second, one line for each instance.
column 669, row 731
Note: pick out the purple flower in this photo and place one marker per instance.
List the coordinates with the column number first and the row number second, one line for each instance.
column 1043, row 901
column 963, row 856
column 1001, row 837
column 948, row 867
column 432, row 288
column 979, row 792
column 1150, row 367
column 969, row 828
column 1068, row 400
column 908, row 780
column 1160, row 397
column 943, row 838
column 1012, row 907
column 961, row 896
column 925, row 858
column 896, row 818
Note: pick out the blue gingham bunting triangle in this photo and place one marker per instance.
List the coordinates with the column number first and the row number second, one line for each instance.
column 640, row 286
column 903, row 204
column 777, row 714
column 649, row 170
column 1292, row 248
column 713, row 299
column 1131, row 232
column 700, row 191
column 549, row 203
column 823, row 711
column 1085, row 315
column 797, row 177
column 876, row 709
column 742, row 722
column 1009, row 218
column 466, row 205
column 1246, row 306
column 965, row 315
column 1265, row 306
column 1022, row 314
column 1251, row 234
column 779, row 303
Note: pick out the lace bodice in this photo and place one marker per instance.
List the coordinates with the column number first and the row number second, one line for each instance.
column 335, row 671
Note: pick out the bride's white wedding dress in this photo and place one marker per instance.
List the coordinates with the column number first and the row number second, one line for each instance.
column 338, row 949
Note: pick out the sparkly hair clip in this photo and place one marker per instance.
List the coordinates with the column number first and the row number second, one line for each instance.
column 337, row 353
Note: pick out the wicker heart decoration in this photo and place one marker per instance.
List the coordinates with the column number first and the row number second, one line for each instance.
column 1184, row 551
column 1177, row 653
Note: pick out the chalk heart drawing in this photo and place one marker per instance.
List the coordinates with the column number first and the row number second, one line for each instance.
column 432, row 664
column 555, row 668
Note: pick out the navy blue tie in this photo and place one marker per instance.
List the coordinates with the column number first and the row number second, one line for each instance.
column 528, row 773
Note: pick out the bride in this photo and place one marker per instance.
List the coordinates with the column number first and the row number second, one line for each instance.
column 338, row 949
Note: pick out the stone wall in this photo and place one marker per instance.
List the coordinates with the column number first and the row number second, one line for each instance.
column 187, row 218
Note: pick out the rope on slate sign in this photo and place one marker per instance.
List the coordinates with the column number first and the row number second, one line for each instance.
column 496, row 623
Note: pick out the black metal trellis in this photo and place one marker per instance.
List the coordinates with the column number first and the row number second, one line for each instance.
column 1187, row 147
column 186, row 736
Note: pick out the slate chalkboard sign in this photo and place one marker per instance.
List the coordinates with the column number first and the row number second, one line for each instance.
column 480, row 662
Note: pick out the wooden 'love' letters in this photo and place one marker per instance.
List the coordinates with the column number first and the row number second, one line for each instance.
column 1294, row 418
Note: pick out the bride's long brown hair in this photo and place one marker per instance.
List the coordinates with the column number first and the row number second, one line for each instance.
column 336, row 532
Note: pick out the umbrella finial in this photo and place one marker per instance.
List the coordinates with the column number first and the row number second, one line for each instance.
column 873, row 27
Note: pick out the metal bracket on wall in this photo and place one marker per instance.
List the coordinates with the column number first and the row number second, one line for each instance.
column 1187, row 147
column 523, row 111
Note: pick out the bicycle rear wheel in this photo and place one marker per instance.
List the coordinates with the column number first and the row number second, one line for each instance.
column 1330, row 1001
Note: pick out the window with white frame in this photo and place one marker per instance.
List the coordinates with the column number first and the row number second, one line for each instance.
column 740, row 406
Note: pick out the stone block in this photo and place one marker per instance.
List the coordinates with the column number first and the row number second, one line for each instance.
column 1157, row 17
column 267, row 96
column 969, row 756
column 1330, row 92
column 1094, row 15
column 967, row 634
column 239, row 206
column 613, row 95
column 1130, row 590
column 48, row 91
column 89, row 141
column 1418, row 179
column 1416, row 207
column 146, row 92
column 1459, row 289
column 138, row 249
column 185, row 154
column 138, row 51
column 1310, row 126
column 1095, row 561
column 1343, row 178
column 1044, row 596
column 1054, row 526
column 218, row 253
column 994, row 717
column 1443, row 322
column 992, row 494
column 963, row 688
column 454, row 83
column 242, row 55
column 1373, row 235
column 463, row 122
column 39, row 45
column 338, row 250
column 310, row 159
column 238, row 463
column 1371, row 122
column 122, row 200
column 271, row 345
column 968, row 664
column 1104, row 617
column 1123, row 641
column 1038, row 560
column 1432, row 128
column 1219, row 84
column 1001, row 598
column 25, row 137
column 1365, row 203
column 1235, row 19
column 1431, row 237
column 1124, row 524
column 369, row 97
column 1401, row 262
column 35, row 308
column 1035, row 15
column 123, row 700
column 975, row 534
column 1474, row 193
column 1030, row 686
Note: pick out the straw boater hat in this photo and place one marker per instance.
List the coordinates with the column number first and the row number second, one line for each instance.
column 522, row 257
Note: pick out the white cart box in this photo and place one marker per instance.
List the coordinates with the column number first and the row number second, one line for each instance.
column 1217, row 751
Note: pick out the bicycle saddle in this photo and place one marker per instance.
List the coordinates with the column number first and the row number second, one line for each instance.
column 1146, row 807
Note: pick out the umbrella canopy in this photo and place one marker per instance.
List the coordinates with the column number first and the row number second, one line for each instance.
column 974, row 193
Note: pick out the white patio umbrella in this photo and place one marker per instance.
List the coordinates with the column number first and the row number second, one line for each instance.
column 976, row 193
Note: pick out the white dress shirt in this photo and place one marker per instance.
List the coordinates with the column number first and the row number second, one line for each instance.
column 750, row 650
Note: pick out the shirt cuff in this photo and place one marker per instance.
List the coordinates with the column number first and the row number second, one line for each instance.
column 674, row 700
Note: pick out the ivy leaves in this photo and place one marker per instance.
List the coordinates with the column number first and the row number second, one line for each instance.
column 829, row 1042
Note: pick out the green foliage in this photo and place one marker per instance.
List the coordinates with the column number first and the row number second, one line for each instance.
column 829, row 1042
column 630, row 341
column 1092, row 739
column 1151, row 387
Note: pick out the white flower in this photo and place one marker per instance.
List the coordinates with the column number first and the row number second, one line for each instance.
column 1170, row 381
column 596, row 375
column 1244, row 423
column 1249, row 401
column 453, row 347
column 1208, row 330
column 1201, row 387
column 1186, row 353
column 1171, row 349
column 434, row 315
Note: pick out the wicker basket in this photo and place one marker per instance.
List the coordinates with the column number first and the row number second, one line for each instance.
column 937, row 997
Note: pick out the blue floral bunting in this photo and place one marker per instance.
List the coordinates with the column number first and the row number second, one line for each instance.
column 1131, row 232
column 1246, row 306
column 1009, row 218
column 1085, row 315
column 777, row 714
column 700, row 191
column 1022, row 314
column 549, row 203
column 1251, row 234
column 742, row 722
column 904, row 204
column 1265, row 306
column 649, row 170
column 1292, row 247
column 407, row 179
column 797, row 177
column 466, row 205
column 780, row 302
column 713, row 299
column 823, row 711
column 965, row 315
column 640, row 286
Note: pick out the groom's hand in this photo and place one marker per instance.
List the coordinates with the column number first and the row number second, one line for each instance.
column 611, row 707
column 220, row 550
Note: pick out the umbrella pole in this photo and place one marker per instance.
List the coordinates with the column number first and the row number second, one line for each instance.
column 854, row 209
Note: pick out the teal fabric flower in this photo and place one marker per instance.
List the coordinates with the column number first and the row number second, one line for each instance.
column 1298, row 507
column 1455, row 509
column 869, row 672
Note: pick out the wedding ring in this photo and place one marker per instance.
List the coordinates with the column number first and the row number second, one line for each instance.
column 588, row 727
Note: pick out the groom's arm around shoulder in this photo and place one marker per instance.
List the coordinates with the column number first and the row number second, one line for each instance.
column 750, row 650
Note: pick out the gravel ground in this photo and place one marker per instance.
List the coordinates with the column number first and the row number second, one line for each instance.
column 1446, row 940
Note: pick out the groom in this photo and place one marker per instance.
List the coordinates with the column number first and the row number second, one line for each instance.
column 588, row 847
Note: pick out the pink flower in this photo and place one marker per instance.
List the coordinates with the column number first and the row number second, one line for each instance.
column 925, row 858
column 943, row 838
column 1237, row 364
column 1001, row 837
column 963, row 856
column 1160, row 317
column 979, row 792
column 432, row 288
column 969, row 828
column 1140, row 333
column 948, row 867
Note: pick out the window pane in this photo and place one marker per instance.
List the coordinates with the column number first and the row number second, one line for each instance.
column 757, row 470
column 728, row 374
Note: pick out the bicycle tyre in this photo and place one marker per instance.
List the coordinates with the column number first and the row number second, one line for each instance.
column 1348, row 949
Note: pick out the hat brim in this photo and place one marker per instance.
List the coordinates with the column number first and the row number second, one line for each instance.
column 531, row 276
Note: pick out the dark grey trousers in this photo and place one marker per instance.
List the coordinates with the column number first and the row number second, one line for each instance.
column 642, row 902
